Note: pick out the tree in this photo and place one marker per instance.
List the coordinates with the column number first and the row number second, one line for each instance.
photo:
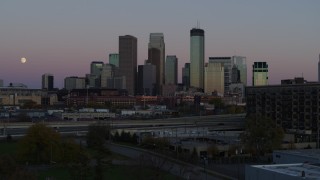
column 39, row 145
column 217, row 102
column 261, row 135
column 97, row 134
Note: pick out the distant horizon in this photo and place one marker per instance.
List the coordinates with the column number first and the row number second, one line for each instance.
column 63, row 38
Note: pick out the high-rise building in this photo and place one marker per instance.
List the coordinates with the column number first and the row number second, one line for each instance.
column 214, row 78
column 228, row 62
column 128, row 61
column 259, row 74
column 74, row 82
column 47, row 81
column 114, row 59
column 171, row 70
column 1, row 83
column 156, row 56
column 107, row 73
column 186, row 75
column 241, row 64
column 96, row 67
column 147, row 79
column 235, row 75
column 197, row 58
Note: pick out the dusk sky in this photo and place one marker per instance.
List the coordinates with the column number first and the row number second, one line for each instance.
column 62, row 37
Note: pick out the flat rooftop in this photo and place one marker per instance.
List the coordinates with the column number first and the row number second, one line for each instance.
column 311, row 171
column 311, row 153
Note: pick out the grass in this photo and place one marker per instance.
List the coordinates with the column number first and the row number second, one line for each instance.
column 8, row 148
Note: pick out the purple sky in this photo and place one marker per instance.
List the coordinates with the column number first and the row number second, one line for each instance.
column 62, row 37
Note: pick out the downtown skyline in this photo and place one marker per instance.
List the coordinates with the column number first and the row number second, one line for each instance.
column 63, row 38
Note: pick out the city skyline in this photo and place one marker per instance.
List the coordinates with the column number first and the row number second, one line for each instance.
column 63, row 38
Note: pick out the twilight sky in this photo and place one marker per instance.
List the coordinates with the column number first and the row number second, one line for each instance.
column 62, row 37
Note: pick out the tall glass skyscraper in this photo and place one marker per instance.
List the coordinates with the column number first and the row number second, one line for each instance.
column 172, row 70
column 114, row 59
column 197, row 58
column 156, row 56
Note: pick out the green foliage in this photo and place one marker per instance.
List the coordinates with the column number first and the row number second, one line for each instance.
column 126, row 137
column 97, row 134
column 39, row 145
column 233, row 109
column 217, row 102
column 261, row 135
column 9, row 169
column 157, row 143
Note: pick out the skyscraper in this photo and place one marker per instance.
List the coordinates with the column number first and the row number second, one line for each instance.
column 107, row 74
column 147, row 79
column 96, row 67
column 156, row 56
column 229, row 62
column 47, row 81
column 259, row 74
column 186, row 75
column 114, row 59
column 171, row 70
column 197, row 58
column 128, row 61
column 214, row 78
column 241, row 64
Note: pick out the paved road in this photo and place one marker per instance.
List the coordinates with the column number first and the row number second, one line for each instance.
column 178, row 168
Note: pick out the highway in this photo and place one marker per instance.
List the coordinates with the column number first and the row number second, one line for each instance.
column 215, row 121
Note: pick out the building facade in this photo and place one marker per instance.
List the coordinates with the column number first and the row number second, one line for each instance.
column 147, row 79
column 47, row 81
column 295, row 107
column 74, row 82
column 186, row 75
column 259, row 74
column 156, row 56
column 128, row 61
column 197, row 48
column 171, row 70
column 214, row 78
column 114, row 59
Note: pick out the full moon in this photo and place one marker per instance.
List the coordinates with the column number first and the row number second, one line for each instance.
column 23, row 60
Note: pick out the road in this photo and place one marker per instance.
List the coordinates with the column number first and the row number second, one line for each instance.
column 217, row 121
column 158, row 161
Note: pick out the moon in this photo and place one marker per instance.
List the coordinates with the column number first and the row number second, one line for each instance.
column 23, row 60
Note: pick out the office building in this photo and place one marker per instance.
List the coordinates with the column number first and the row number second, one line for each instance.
column 107, row 74
column 240, row 63
column 114, row 59
column 128, row 61
column 295, row 107
column 186, row 75
column 235, row 75
column 259, row 74
column 96, row 67
column 1, row 83
column 171, row 70
column 156, row 56
column 214, row 78
column 74, row 82
column 197, row 58
column 147, row 79
column 47, row 82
